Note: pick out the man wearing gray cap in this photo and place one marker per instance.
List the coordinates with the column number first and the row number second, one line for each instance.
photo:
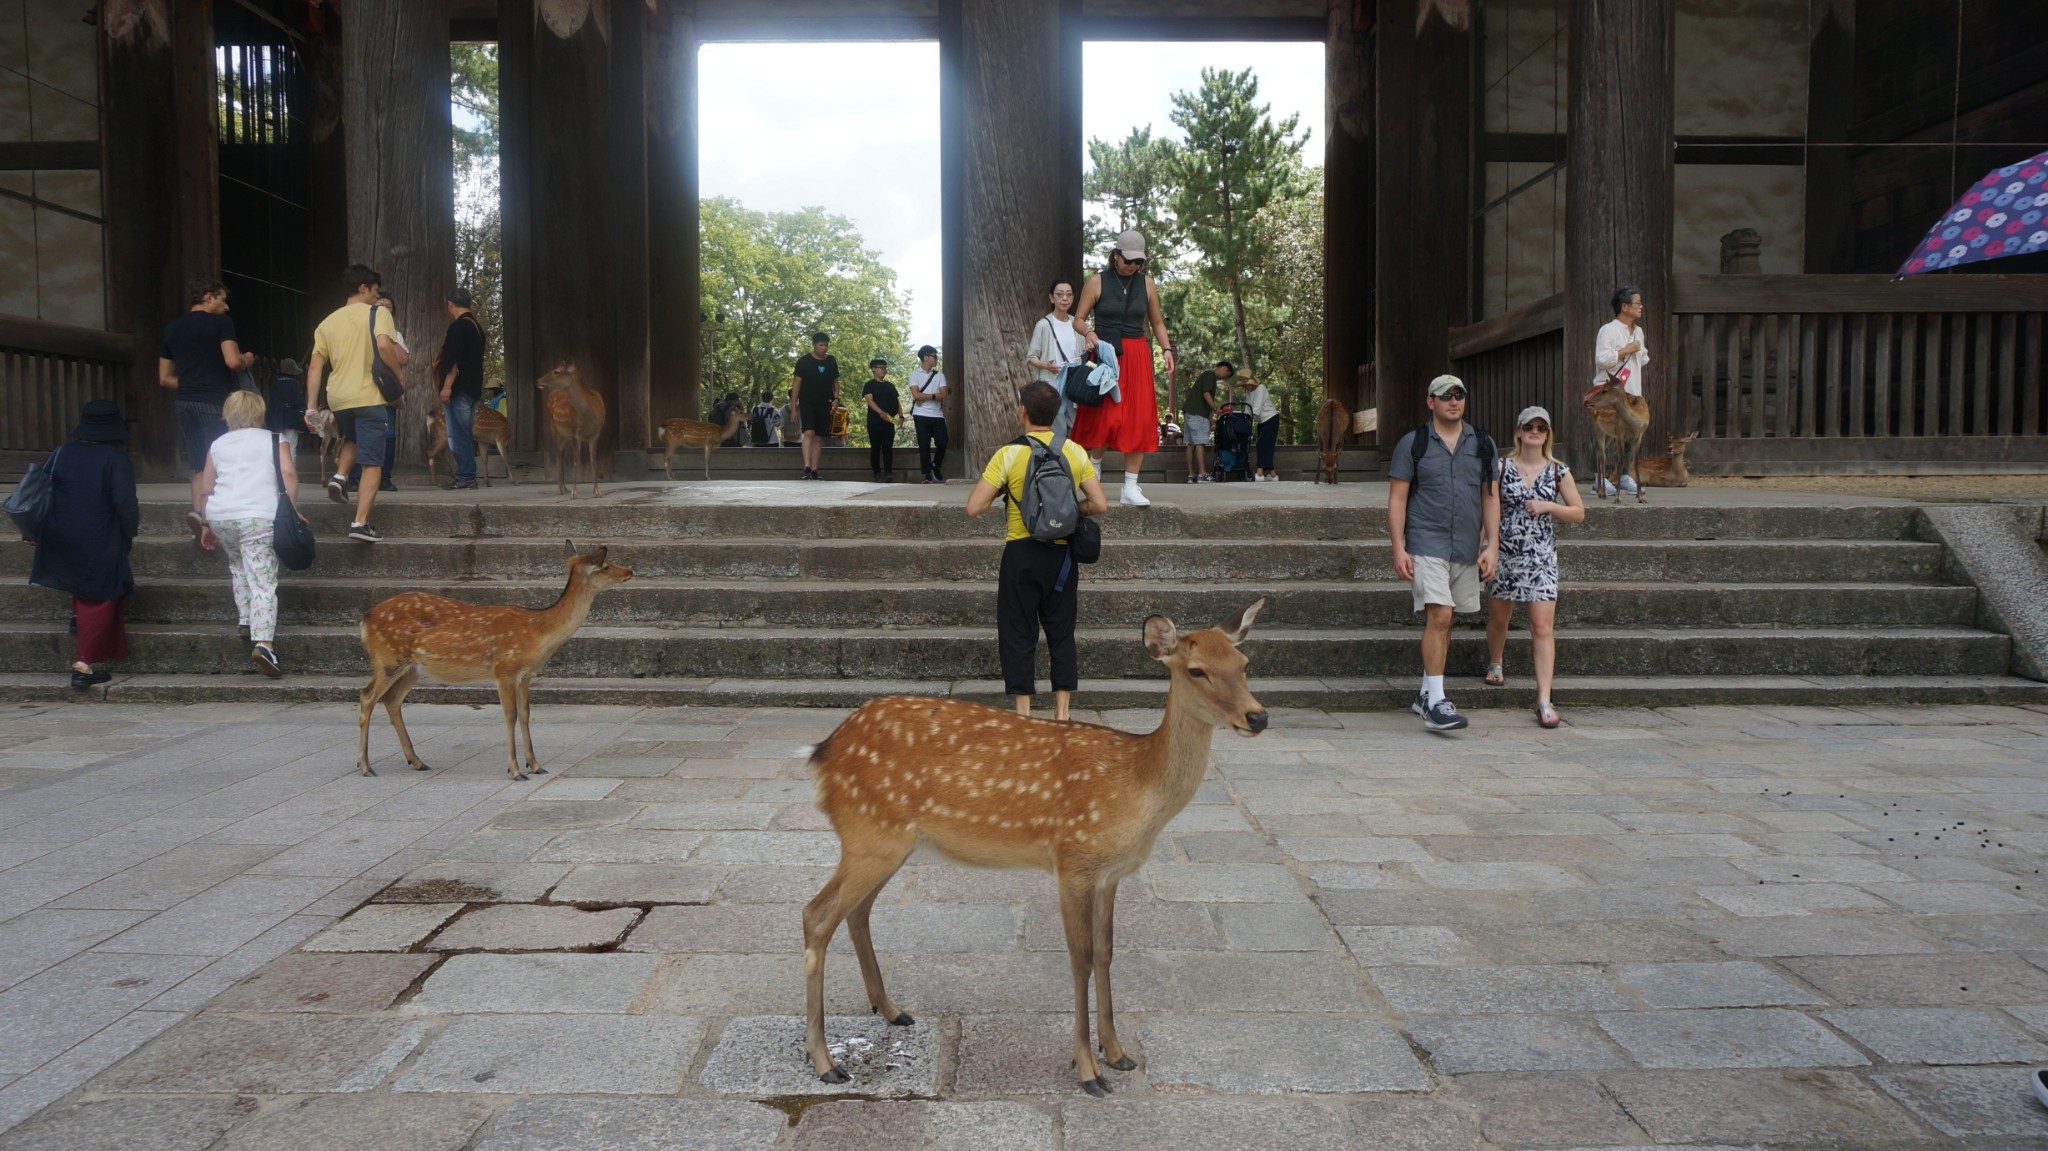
column 1443, row 515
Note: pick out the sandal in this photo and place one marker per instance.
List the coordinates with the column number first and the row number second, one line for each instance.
column 1546, row 715
column 1495, row 676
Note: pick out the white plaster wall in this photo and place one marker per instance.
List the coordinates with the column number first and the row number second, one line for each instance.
column 49, row 83
column 1740, row 67
column 1712, row 200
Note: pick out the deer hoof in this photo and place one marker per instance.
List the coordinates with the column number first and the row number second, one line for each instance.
column 836, row 1075
column 421, row 767
column 368, row 770
column 520, row 776
column 1123, row 1063
column 536, row 769
column 902, row 1019
column 1098, row 1087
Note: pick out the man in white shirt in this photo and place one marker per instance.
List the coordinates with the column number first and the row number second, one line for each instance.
column 927, row 413
column 1619, row 351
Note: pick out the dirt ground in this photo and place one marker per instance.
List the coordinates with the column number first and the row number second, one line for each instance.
column 1934, row 489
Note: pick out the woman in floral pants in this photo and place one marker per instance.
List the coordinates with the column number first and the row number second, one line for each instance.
column 239, row 485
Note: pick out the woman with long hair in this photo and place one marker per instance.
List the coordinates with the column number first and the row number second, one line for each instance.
column 83, row 548
column 1116, row 305
column 1536, row 491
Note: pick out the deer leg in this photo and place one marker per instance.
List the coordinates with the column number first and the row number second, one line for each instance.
column 526, row 724
column 367, row 698
column 707, row 460
column 864, row 949
column 394, row 700
column 858, row 876
column 1077, row 915
column 593, row 469
column 1105, row 951
column 508, row 698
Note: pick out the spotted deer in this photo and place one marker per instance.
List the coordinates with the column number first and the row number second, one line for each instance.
column 990, row 788
column 696, row 434
column 1619, row 421
column 457, row 642
column 575, row 420
column 489, row 428
column 1333, row 423
column 1668, row 471
column 330, row 440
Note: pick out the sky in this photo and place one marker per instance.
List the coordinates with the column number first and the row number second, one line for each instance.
column 858, row 133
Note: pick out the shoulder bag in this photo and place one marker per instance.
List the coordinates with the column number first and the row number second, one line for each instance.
column 29, row 504
column 290, row 538
column 388, row 384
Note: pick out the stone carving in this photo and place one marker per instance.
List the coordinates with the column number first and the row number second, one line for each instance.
column 1741, row 250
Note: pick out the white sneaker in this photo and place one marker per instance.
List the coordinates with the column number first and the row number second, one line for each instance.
column 1132, row 497
column 1628, row 485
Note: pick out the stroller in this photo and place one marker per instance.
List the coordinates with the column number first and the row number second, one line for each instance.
column 1232, row 457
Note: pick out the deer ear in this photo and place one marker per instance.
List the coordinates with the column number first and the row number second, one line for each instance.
column 601, row 554
column 1240, row 625
column 1161, row 641
column 568, row 547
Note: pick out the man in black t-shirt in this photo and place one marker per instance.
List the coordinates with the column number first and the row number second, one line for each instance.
column 885, row 415
column 817, row 385
column 460, row 371
column 199, row 358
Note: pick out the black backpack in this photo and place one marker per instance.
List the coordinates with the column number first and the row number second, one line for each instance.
column 1489, row 455
column 1049, row 505
column 762, row 423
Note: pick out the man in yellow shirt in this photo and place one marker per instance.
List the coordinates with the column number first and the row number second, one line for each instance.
column 1038, row 583
column 338, row 379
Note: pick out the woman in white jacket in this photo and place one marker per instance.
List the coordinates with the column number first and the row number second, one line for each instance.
column 1266, row 422
column 1054, row 345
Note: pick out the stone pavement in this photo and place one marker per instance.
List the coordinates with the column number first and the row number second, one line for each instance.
column 1695, row 927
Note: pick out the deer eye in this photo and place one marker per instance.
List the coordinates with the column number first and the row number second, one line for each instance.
column 1197, row 673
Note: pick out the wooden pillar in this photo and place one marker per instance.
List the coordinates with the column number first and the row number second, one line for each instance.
column 1422, row 137
column 1008, row 88
column 198, row 186
column 627, row 178
column 516, row 27
column 1830, row 110
column 1347, row 204
column 953, row 118
column 673, row 228
column 1073, row 230
column 327, row 170
column 401, row 181
column 1618, row 156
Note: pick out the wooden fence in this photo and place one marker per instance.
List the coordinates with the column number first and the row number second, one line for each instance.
column 1514, row 360
column 47, row 373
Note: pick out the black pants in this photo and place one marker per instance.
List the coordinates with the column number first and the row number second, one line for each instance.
column 1037, row 588
column 1269, row 435
column 881, row 447
column 931, row 444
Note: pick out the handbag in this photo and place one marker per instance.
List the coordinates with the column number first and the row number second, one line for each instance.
column 1075, row 388
column 290, row 538
column 29, row 504
column 388, row 384
column 1086, row 542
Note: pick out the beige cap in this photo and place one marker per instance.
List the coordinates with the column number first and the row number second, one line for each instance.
column 1131, row 244
column 1533, row 412
column 1445, row 383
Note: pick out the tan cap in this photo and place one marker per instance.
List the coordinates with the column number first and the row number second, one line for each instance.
column 1445, row 383
column 1533, row 412
column 1131, row 244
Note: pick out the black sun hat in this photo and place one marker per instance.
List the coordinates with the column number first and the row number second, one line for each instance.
column 100, row 422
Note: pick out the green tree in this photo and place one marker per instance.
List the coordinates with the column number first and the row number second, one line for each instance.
column 1127, row 186
column 769, row 279
column 1237, row 161
column 479, row 225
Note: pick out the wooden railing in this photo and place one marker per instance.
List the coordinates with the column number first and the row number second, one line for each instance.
column 47, row 373
column 1860, row 373
column 1513, row 360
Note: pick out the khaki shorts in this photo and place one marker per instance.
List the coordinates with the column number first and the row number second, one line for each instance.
column 1438, row 580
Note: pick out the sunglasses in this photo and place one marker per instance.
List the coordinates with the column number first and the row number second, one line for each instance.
column 1452, row 396
column 1536, row 426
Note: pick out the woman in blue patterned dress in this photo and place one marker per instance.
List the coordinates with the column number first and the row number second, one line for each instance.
column 1535, row 492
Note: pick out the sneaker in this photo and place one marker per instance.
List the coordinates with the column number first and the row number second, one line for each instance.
column 363, row 532
column 1628, row 485
column 1442, row 716
column 265, row 661
column 458, row 485
column 1421, row 704
column 386, row 486
column 1132, row 497
column 334, row 489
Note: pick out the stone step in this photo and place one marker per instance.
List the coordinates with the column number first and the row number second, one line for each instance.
column 1340, row 694
column 404, row 561
column 841, row 511
column 1106, row 603
column 970, row 652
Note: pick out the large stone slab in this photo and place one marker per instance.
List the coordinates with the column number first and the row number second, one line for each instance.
column 384, row 1122
column 723, row 985
column 1020, row 1054
column 860, row 1125
column 1732, row 984
column 639, row 883
column 1278, row 1055
column 384, row 927
column 558, row 1055
column 1462, row 1043
column 193, row 1123
column 1925, row 980
column 1200, row 1125
column 727, row 928
column 1555, row 1109
column 1965, row 1101
column 1490, row 990
column 623, row 845
column 1939, row 1035
column 1273, row 927
column 1411, row 1124
column 1811, row 935
column 338, row 984
column 476, row 882
column 278, row 1055
column 526, row 927
column 1223, row 883
column 1255, row 981
column 533, row 984
column 763, row 1055
column 1729, row 1037
column 634, row 1125
column 1407, row 946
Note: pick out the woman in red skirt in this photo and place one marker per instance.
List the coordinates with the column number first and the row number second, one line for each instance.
column 1116, row 304
column 84, row 545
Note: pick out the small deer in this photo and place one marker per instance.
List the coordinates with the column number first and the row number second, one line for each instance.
column 490, row 427
column 696, row 434
column 457, row 642
column 330, row 440
column 1333, row 423
column 575, row 420
column 1619, row 421
column 1668, row 472
column 991, row 788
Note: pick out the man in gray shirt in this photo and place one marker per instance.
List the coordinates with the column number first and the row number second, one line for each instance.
column 1443, row 514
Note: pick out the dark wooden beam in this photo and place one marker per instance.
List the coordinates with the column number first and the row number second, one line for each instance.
column 770, row 27
column 198, row 141
column 626, row 176
column 673, row 222
column 472, row 31
column 1231, row 28
column 1347, row 206
column 52, row 339
column 1549, row 148
column 1545, row 315
column 516, row 174
column 953, row 121
column 1864, row 293
column 1073, row 225
column 1830, row 232
column 49, row 155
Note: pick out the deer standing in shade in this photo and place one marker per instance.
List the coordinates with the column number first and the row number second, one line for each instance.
column 696, row 434
column 457, row 642
column 1333, row 423
column 1619, row 421
column 490, row 427
column 575, row 420
column 995, row 789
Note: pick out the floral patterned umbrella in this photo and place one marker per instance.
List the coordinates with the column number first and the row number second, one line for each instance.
column 2003, row 214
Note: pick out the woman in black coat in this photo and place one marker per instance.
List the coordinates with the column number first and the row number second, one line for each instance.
column 84, row 545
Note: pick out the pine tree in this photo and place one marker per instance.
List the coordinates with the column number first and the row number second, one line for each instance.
column 1235, row 162
column 1131, row 182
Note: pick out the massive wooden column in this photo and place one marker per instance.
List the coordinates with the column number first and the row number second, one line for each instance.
column 1422, row 136
column 672, row 218
column 1347, row 205
column 516, row 99
column 627, row 179
column 1618, row 156
column 1008, row 91
column 1830, row 112
column 401, row 181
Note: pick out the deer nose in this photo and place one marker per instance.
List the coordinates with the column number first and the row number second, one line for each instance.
column 1256, row 720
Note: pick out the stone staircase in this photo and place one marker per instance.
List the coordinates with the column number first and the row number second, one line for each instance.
column 828, row 594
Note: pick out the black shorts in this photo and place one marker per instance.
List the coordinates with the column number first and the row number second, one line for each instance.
column 199, row 424
column 814, row 407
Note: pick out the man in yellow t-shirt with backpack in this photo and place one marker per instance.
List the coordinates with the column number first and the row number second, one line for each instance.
column 1039, row 579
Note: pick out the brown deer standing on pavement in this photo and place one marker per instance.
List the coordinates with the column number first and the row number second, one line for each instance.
column 490, row 427
column 457, row 642
column 991, row 788
column 1619, row 421
column 1333, row 423
column 696, row 434
column 1668, row 472
column 575, row 420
